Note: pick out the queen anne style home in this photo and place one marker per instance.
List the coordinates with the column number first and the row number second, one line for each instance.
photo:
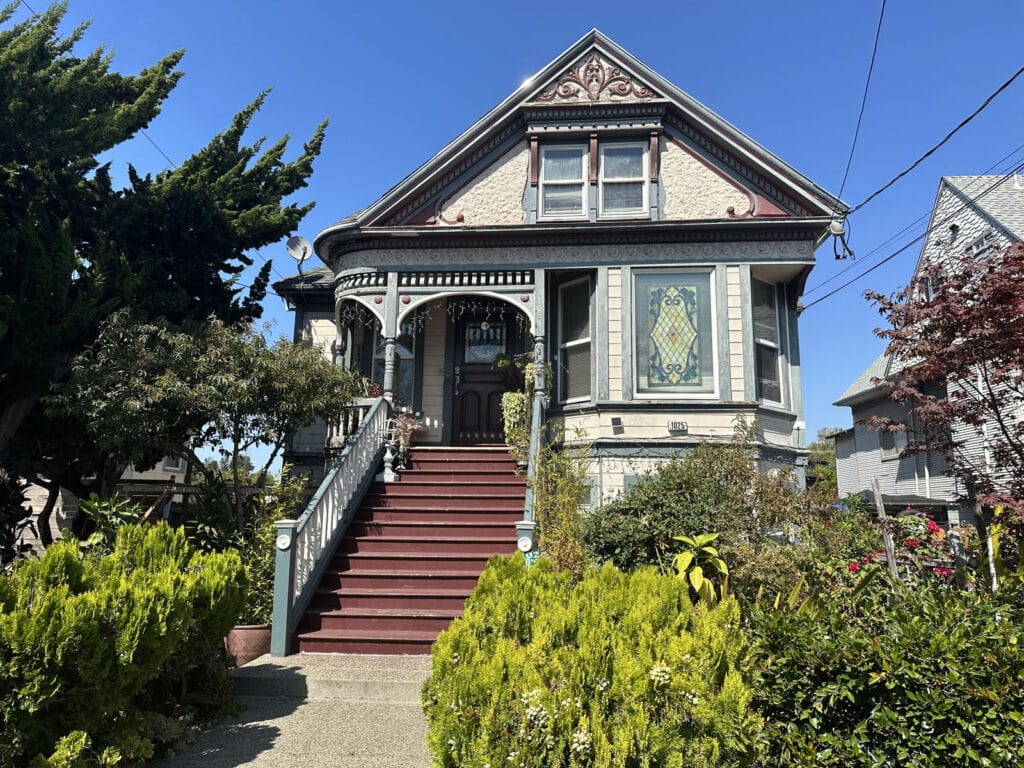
column 599, row 221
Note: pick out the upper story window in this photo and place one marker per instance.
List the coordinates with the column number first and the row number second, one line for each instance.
column 622, row 183
column 563, row 182
column 611, row 178
column 893, row 443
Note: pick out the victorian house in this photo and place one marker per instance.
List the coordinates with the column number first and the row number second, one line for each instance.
column 601, row 222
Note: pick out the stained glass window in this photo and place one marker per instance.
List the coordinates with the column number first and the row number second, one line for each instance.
column 674, row 332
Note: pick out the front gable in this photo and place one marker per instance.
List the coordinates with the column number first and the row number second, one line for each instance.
column 677, row 161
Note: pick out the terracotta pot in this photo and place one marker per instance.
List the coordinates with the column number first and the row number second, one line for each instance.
column 247, row 642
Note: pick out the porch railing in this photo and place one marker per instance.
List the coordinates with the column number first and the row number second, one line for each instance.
column 304, row 546
column 526, row 528
column 340, row 432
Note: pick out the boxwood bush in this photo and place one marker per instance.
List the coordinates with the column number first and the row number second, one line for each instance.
column 615, row 670
column 90, row 646
column 929, row 677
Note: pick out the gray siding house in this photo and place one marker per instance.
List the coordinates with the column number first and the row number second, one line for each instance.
column 972, row 215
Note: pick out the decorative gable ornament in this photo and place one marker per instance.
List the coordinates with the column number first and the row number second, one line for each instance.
column 593, row 80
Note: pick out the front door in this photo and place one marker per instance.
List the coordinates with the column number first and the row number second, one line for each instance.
column 477, row 387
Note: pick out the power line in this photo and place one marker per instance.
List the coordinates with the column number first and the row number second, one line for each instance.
column 36, row 15
column 917, row 239
column 878, row 248
column 946, row 138
column 863, row 103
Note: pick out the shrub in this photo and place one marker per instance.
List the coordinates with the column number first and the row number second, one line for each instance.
column 926, row 677
column 91, row 644
column 616, row 670
column 561, row 487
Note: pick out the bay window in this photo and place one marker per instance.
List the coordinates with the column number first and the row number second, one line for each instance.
column 767, row 345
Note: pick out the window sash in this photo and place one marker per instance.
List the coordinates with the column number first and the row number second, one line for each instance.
column 622, row 193
column 574, row 358
column 767, row 341
column 562, row 195
column 674, row 338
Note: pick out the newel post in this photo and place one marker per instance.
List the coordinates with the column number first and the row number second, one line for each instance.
column 284, row 587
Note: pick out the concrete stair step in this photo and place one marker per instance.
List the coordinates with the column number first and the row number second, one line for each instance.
column 383, row 678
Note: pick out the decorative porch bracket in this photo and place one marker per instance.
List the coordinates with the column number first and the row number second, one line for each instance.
column 304, row 547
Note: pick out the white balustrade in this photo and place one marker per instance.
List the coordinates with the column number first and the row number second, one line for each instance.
column 305, row 546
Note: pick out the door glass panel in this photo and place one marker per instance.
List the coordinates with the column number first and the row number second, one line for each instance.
column 484, row 342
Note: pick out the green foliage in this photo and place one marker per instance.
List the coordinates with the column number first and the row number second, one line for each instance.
column 615, row 670
column 700, row 566
column 927, row 677
column 561, row 487
column 515, row 416
column 94, row 644
column 75, row 249
column 15, row 517
column 106, row 517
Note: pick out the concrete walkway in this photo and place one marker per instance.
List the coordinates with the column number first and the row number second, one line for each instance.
column 318, row 710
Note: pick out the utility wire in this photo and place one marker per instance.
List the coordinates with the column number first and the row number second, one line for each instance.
column 917, row 239
column 863, row 103
column 878, row 248
column 36, row 15
column 946, row 138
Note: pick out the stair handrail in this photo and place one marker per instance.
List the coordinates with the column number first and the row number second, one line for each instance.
column 305, row 546
column 526, row 528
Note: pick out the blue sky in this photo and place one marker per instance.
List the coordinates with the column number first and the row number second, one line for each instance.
column 399, row 80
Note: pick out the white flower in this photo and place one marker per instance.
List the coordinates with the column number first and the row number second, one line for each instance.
column 660, row 674
column 581, row 742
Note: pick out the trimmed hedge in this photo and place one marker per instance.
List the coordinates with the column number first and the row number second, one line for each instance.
column 85, row 642
column 929, row 676
column 616, row 670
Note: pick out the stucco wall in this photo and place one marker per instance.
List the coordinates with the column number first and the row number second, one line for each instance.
column 694, row 191
column 496, row 196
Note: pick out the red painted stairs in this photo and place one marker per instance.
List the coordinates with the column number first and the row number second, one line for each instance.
column 414, row 552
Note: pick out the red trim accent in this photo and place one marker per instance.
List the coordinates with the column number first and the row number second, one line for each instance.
column 534, row 160
column 593, row 158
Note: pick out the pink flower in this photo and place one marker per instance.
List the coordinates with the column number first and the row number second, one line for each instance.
column 854, row 566
column 912, row 543
column 943, row 573
column 932, row 526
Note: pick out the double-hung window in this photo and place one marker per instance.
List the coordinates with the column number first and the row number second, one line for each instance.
column 767, row 344
column 622, row 180
column 893, row 443
column 574, row 340
column 562, row 179
column 569, row 172
column 675, row 333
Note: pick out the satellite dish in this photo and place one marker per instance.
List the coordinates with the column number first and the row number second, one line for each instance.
column 299, row 248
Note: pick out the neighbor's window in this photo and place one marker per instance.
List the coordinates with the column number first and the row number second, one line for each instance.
column 767, row 346
column 574, row 340
column 563, row 182
column 623, row 181
column 675, row 333
column 893, row 443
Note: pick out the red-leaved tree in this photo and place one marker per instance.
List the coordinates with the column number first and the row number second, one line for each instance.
column 956, row 339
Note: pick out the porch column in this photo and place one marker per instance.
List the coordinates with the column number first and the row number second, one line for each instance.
column 340, row 347
column 390, row 333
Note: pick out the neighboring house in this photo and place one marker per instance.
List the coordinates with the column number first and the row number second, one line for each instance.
column 974, row 215
column 601, row 220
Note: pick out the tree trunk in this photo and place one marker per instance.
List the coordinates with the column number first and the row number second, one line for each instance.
column 43, row 520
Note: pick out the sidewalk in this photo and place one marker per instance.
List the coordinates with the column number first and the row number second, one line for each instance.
column 319, row 710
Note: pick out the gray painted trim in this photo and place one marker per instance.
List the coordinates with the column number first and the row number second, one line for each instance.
column 600, row 333
column 795, row 371
column 627, row 333
column 721, row 321
column 419, row 318
column 540, row 303
column 747, row 318
column 390, row 325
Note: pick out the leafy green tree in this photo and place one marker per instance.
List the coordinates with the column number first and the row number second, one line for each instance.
column 145, row 390
column 74, row 249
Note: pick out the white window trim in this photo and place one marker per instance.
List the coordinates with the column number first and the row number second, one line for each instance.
column 582, row 215
column 644, row 211
column 174, row 464
column 758, row 341
column 575, row 343
column 649, row 394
